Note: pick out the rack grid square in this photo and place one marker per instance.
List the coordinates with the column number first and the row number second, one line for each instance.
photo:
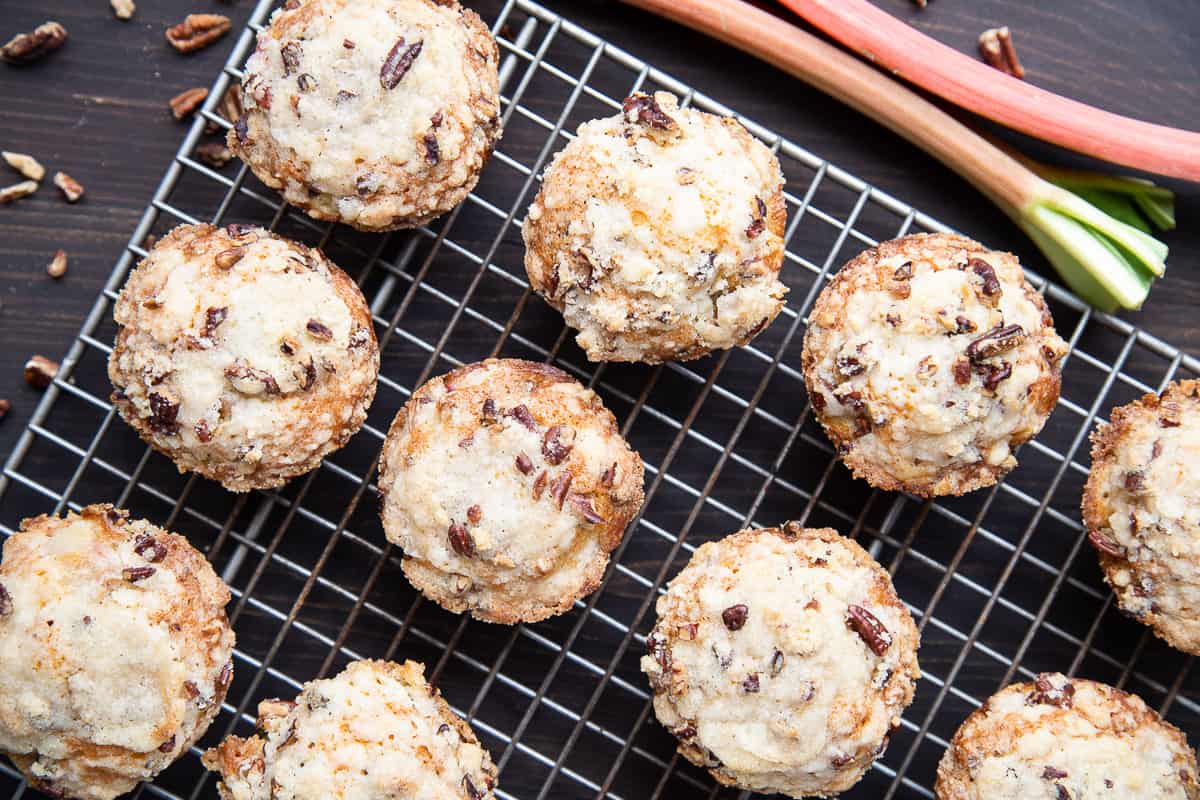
column 1000, row 582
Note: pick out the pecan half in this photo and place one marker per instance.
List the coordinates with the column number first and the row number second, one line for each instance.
column 25, row 48
column 197, row 31
column 398, row 62
column 869, row 629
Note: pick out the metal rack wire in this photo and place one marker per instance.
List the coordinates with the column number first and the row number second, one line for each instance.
column 999, row 582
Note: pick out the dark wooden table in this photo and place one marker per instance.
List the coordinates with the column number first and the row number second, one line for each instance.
column 97, row 110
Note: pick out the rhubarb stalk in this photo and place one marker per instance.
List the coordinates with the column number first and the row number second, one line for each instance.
column 1107, row 262
column 973, row 85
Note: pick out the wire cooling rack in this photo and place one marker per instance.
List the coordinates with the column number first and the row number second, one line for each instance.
column 1000, row 581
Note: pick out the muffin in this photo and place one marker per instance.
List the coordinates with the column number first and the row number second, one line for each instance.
column 658, row 233
column 241, row 355
column 376, row 730
column 929, row 360
column 781, row 660
column 1141, row 507
column 507, row 484
column 376, row 113
column 114, row 651
column 1062, row 737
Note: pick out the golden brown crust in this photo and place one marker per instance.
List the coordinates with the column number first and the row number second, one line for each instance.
column 1130, row 504
column 454, row 447
column 875, row 270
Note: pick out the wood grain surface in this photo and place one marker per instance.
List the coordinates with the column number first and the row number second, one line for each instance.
column 98, row 110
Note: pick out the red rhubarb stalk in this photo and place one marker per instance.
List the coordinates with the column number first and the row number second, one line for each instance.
column 973, row 85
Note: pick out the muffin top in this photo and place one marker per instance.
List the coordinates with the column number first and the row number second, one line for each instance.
column 507, row 484
column 114, row 651
column 376, row 113
column 1061, row 738
column 928, row 360
column 375, row 730
column 658, row 233
column 1141, row 507
column 242, row 355
column 781, row 659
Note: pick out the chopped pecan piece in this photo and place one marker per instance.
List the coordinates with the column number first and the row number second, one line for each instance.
column 227, row 258
column 318, row 330
column 150, row 548
column 735, row 616
column 185, row 103
column 40, row 371
column 25, row 164
column 25, row 48
column 521, row 414
column 558, row 489
column 72, row 189
column 1101, row 543
column 135, row 574
column 461, row 540
column 999, row 339
column 474, row 514
column 164, row 413
column 524, row 464
column 557, row 443
column 1046, row 693
column 583, row 504
column 869, row 628
column 58, row 265
column 18, row 190
column 644, row 110
column 750, row 684
column 539, row 485
column 6, row 603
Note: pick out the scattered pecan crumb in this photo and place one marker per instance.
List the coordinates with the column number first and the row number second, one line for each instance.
column 735, row 616
column 40, row 371
column 290, row 53
column 869, row 628
column 72, row 189
column 461, row 541
column 197, row 31
column 306, row 82
column 215, row 154
column 474, row 514
column 27, row 165
column 58, row 265
column 349, row 45
column 226, row 674
column 996, row 47
column 841, row 760
column 202, row 431
column 6, row 604
column 135, row 574
column 432, row 152
column 184, row 104
column 1135, row 480
column 685, row 176
column 17, row 191
column 25, row 48
column 398, row 62
column 920, row 3
column 124, row 10
column 5, row 407
column 1156, row 449
column 777, row 662
column 751, row 685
